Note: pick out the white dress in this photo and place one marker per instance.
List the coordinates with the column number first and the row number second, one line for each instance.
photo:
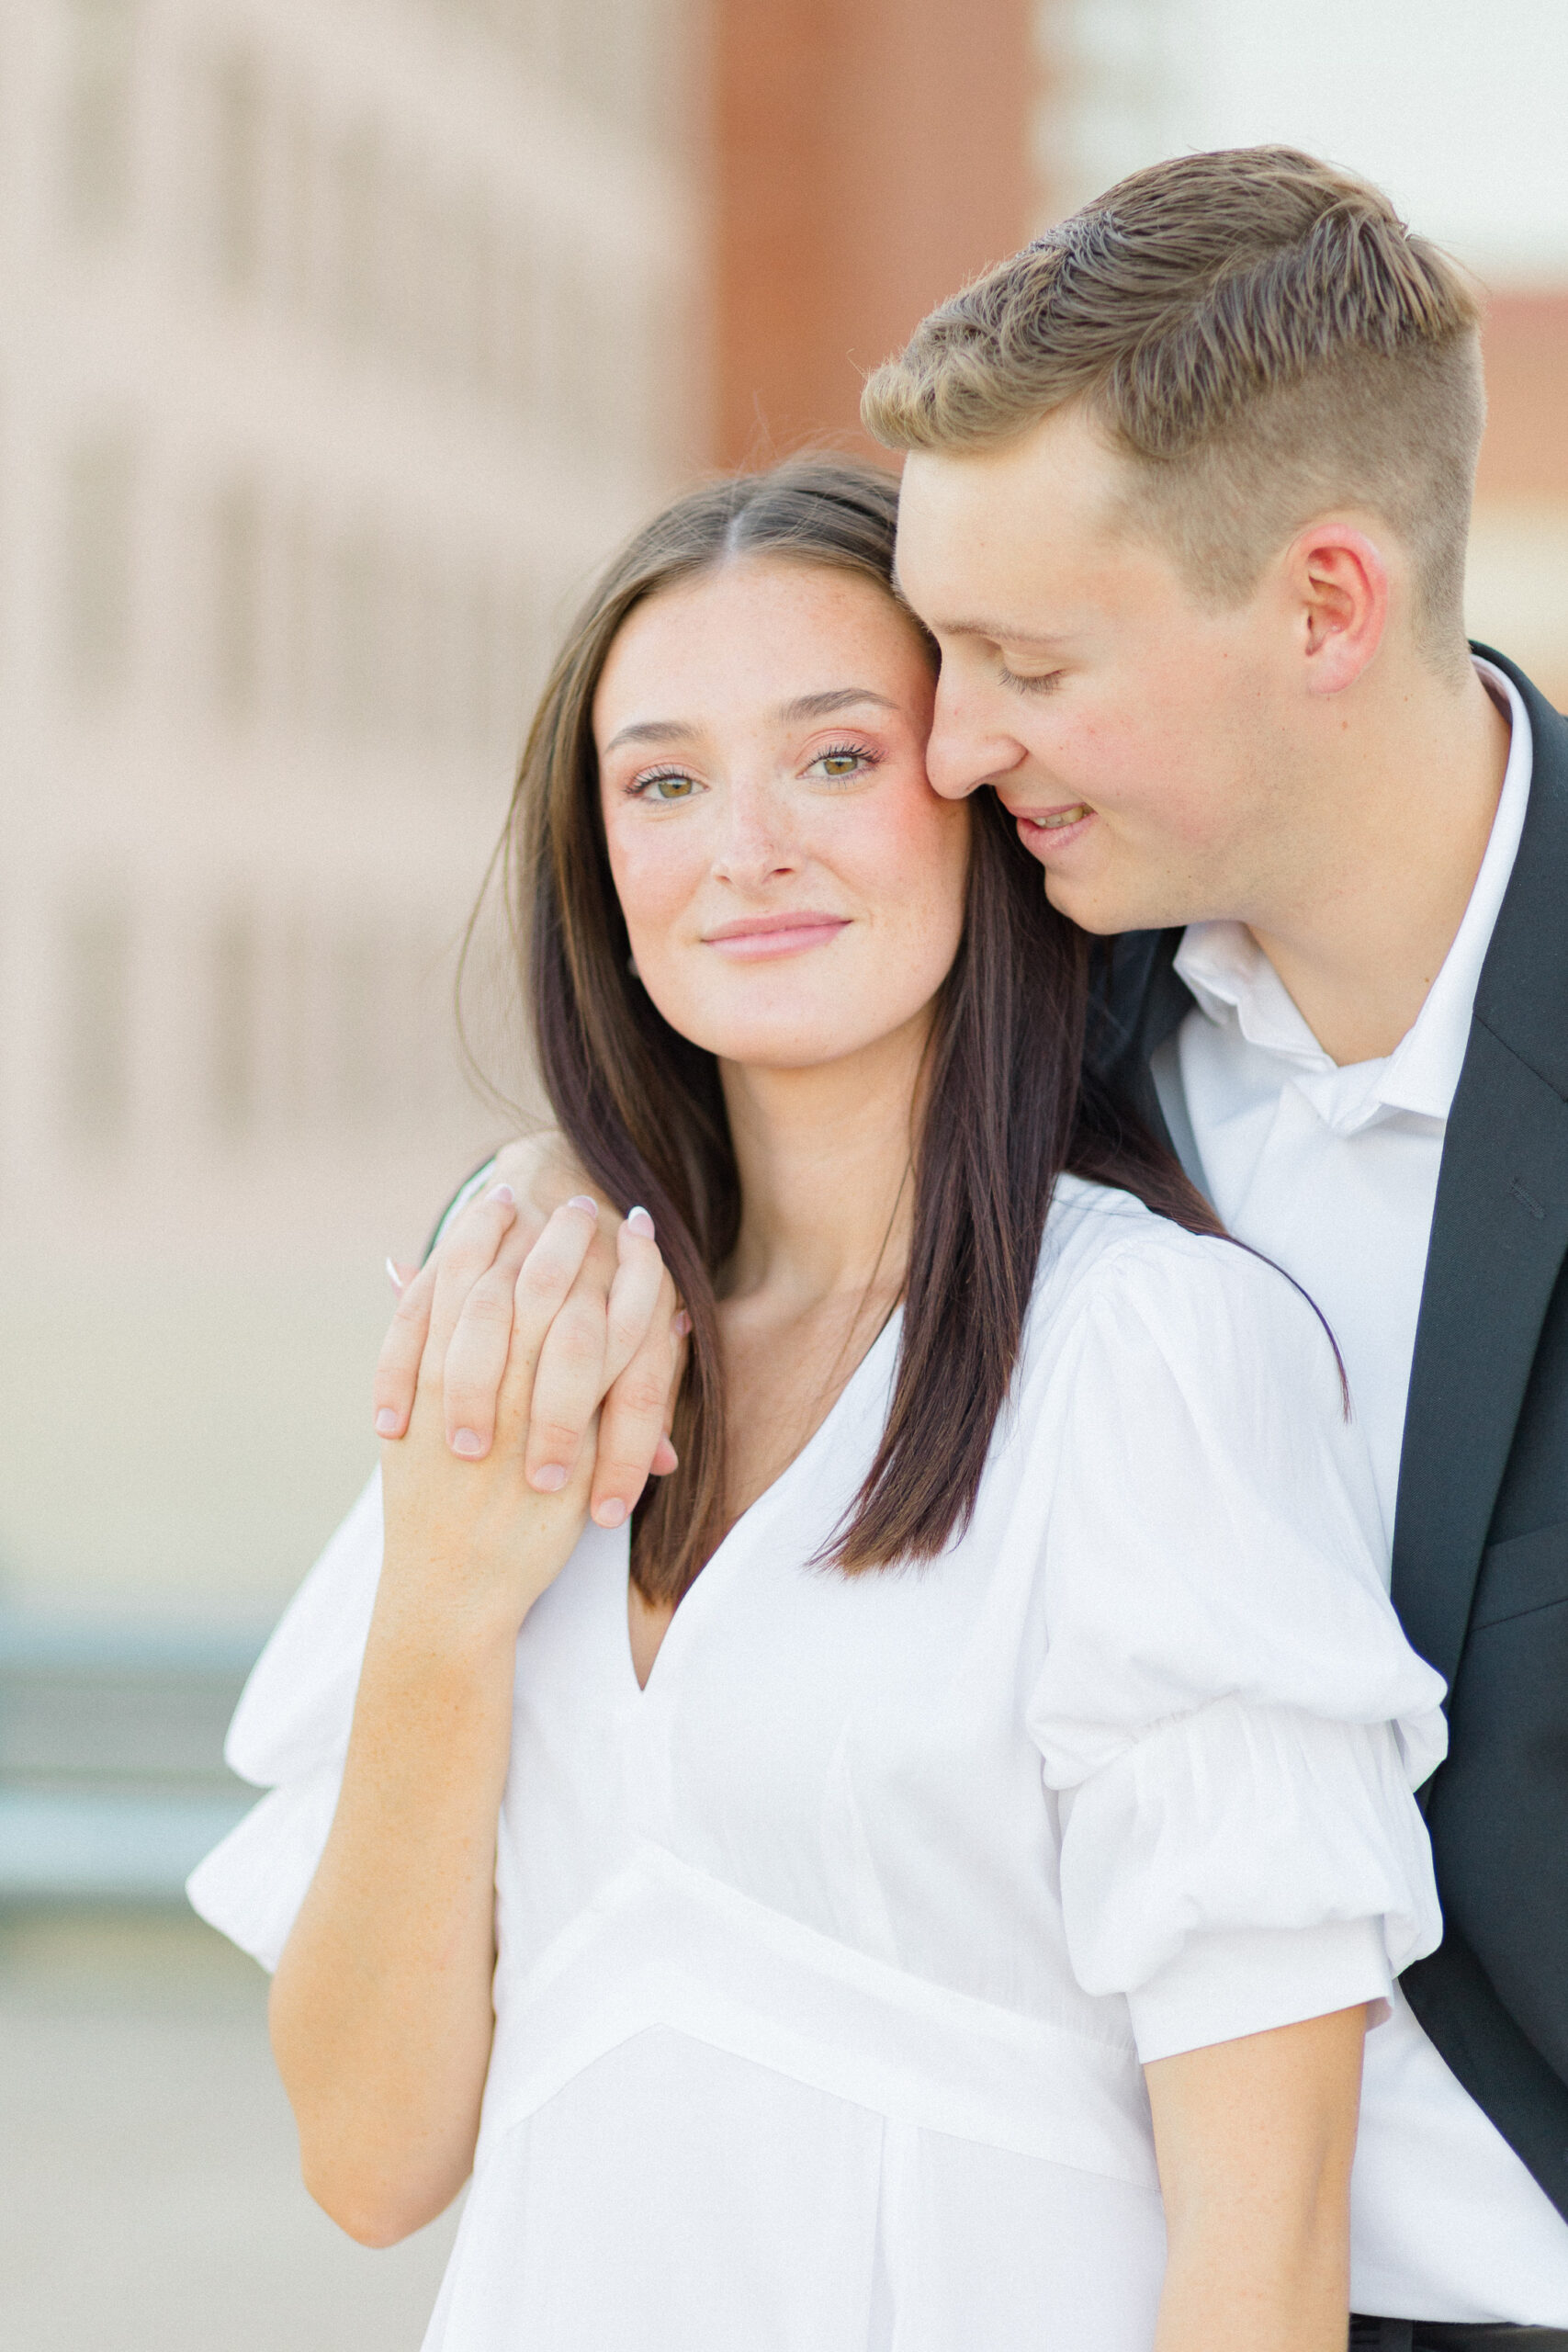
column 827, row 1963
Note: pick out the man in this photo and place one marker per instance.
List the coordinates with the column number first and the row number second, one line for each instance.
column 1185, row 507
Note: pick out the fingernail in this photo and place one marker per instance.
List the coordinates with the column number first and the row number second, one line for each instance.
column 641, row 1222
column 386, row 1422
column 611, row 1513
column 582, row 1201
column 550, row 1480
column 501, row 1193
column 394, row 1277
column 683, row 1324
column 467, row 1441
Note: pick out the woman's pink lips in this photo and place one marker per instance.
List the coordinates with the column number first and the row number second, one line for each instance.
column 751, row 938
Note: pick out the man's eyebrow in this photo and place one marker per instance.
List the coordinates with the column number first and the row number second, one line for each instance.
column 999, row 632
column 823, row 706
column 653, row 730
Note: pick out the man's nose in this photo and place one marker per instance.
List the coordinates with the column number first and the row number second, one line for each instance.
column 965, row 751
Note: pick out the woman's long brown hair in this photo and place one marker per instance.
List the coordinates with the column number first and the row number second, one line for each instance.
column 1006, row 1108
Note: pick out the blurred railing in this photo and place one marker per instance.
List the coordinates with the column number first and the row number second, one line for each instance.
column 112, row 1778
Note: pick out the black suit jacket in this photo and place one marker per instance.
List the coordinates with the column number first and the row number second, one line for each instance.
column 1481, row 1531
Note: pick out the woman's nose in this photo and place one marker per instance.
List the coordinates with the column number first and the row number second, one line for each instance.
column 758, row 844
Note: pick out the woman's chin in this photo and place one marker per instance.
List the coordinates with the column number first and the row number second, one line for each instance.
column 797, row 1028
column 790, row 1046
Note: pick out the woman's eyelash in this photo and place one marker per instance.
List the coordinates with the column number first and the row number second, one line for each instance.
column 861, row 754
column 861, row 751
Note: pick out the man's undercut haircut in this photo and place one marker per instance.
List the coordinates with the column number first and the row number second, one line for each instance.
column 1261, row 334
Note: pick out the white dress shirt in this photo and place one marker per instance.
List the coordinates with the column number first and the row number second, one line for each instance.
column 827, row 1961
column 1333, row 1173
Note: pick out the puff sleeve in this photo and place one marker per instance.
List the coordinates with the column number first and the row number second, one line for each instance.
column 1227, row 1706
column 290, row 1730
column 289, row 1735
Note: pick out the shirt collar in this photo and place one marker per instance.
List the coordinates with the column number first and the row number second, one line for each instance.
column 1234, row 984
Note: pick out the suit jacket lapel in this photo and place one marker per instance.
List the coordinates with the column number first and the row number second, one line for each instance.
column 1500, row 1229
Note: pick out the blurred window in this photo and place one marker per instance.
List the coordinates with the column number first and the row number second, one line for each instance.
column 302, row 571
column 240, row 174
column 361, row 1027
column 99, row 559
column 361, row 583
column 358, row 189
column 481, row 634
column 237, row 605
column 98, row 125
column 298, row 1026
column 235, row 974
column 96, row 1004
column 480, row 273
column 300, row 159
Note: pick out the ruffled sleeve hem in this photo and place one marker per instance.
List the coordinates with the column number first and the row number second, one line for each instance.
column 291, row 1735
column 1243, row 1868
column 1221, row 1987
column 250, row 1888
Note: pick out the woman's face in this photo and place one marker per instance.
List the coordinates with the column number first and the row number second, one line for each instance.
column 793, row 887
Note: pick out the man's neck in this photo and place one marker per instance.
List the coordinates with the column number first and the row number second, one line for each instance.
column 1358, row 951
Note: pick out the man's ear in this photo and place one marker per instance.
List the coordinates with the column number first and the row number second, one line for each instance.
column 1337, row 580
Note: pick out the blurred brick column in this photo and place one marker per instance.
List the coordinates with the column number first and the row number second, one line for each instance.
column 872, row 154
column 1518, row 568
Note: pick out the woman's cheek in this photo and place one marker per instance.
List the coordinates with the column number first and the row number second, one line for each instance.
column 653, row 880
column 909, row 845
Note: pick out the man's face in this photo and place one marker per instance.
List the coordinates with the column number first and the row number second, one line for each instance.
column 1150, row 749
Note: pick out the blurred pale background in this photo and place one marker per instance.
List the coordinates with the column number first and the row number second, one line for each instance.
column 339, row 341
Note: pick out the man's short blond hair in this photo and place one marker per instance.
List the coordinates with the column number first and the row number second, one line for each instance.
column 1260, row 334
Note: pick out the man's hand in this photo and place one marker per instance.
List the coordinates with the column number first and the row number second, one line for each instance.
column 613, row 1348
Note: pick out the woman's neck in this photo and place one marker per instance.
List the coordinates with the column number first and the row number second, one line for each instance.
column 823, row 1157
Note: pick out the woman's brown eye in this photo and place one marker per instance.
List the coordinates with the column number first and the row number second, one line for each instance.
column 672, row 787
column 841, row 763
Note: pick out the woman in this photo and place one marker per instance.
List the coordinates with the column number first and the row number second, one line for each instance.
column 986, row 1804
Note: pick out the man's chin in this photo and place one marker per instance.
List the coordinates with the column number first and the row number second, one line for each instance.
column 1103, row 910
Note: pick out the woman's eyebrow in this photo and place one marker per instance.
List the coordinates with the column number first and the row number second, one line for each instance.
column 823, row 706
column 653, row 730
column 803, row 707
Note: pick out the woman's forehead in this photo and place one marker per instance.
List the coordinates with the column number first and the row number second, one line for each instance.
column 771, row 633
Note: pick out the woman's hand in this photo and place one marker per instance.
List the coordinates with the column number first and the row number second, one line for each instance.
column 480, row 1533
column 461, row 1299
column 1254, row 2140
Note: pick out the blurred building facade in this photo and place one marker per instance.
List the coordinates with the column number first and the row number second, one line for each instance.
column 339, row 342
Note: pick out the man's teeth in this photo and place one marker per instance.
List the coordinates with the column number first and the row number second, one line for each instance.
column 1061, row 817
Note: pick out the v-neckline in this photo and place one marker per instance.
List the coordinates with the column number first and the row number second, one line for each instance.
column 723, row 1553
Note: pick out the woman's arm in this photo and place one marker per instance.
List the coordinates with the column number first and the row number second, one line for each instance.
column 380, row 2012
column 1254, row 2138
